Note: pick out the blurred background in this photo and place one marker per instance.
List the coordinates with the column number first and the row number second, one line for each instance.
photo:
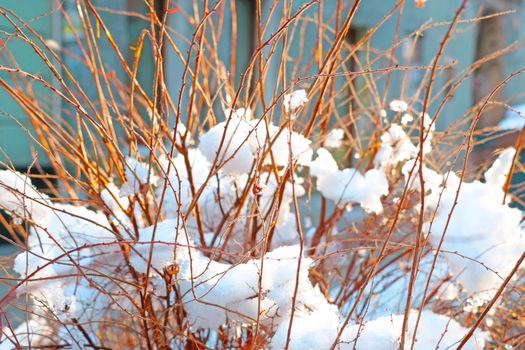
column 421, row 28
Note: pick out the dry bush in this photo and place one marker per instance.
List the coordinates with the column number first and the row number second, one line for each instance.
column 154, row 232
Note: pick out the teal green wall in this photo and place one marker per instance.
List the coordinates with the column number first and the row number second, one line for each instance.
column 461, row 50
column 14, row 140
column 15, row 130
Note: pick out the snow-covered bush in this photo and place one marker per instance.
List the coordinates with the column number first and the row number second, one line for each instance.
column 74, row 252
column 245, row 224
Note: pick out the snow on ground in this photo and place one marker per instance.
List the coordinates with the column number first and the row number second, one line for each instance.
column 73, row 249
column 484, row 237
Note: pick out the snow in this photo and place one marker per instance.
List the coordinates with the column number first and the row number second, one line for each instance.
column 281, row 141
column 241, row 113
column 175, row 177
column 310, row 330
column 212, row 291
column 137, row 175
column 74, row 230
column 398, row 106
column 35, row 331
column 116, row 206
column 396, row 147
column 406, row 118
column 168, row 233
column 19, row 196
column 245, row 142
column 434, row 331
column 286, row 227
column 334, row 138
column 110, row 236
column 292, row 102
column 484, row 238
column 181, row 130
column 228, row 142
column 432, row 179
column 57, row 229
column 349, row 185
column 429, row 127
column 497, row 174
